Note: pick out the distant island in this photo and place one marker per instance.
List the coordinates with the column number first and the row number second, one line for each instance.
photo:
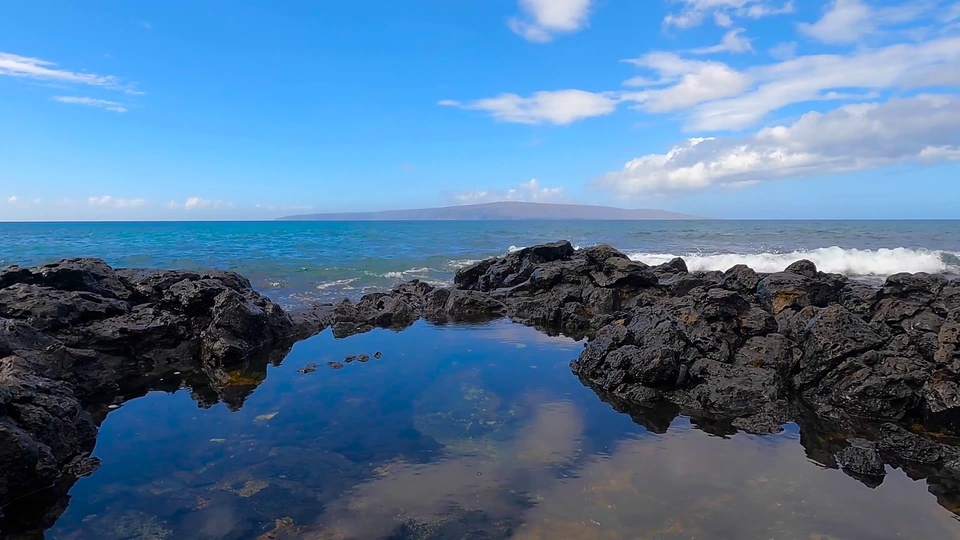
column 500, row 211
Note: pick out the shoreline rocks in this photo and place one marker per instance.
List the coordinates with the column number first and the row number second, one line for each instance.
column 78, row 338
column 866, row 372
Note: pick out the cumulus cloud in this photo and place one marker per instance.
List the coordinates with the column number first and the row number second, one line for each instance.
column 723, row 12
column 560, row 107
column 531, row 191
column 12, row 199
column 733, row 42
column 114, row 202
column 543, row 19
column 198, row 203
column 714, row 96
column 93, row 102
column 853, row 137
column 13, row 65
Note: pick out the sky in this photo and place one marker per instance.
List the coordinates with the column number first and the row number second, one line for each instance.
column 209, row 109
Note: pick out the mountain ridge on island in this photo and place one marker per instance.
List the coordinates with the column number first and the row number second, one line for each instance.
column 506, row 210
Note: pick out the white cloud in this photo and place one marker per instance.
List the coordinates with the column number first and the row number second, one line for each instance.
column 952, row 12
column 93, row 102
column 784, row 51
column 543, row 19
column 13, row 65
column 851, row 138
column 733, row 42
column 113, row 202
column 850, row 21
column 560, row 107
column 941, row 153
column 714, row 96
column 197, row 203
column 722, row 19
column 695, row 12
column 690, row 82
column 530, row 191
column 12, row 199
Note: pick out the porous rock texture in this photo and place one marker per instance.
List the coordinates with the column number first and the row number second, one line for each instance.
column 870, row 373
column 78, row 338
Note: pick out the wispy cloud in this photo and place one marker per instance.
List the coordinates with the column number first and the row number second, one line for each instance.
column 198, row 203
column 851, row 138
column 543, row 19
column 114, row 202
column 715, row 96
column 723, row 12
column 531, row 191
column 13, row 65
column 558, row 107
column 733, row 42
column 93, row 102
column 850, row 21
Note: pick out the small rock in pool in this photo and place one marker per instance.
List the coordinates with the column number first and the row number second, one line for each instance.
column 350, row 358
column 363, row 358
column 335, row 365
column 309, row 368
column 378, row 355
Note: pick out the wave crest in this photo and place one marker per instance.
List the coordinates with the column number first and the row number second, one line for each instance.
column 851, row 262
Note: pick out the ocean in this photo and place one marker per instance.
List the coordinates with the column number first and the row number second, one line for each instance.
column 464, row 431
column 300, row 262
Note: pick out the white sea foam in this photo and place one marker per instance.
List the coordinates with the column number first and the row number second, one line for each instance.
column 457, row 264
column 401, row 274
column 338, row 284
column 853, row 262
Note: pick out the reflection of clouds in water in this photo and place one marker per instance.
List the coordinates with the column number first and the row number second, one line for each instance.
column 496, row 485
column 679, row 485
column 687, row 484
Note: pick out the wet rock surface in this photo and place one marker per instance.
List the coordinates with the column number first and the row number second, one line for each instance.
column 78, row 338
column 739, row 350
column 870, row 374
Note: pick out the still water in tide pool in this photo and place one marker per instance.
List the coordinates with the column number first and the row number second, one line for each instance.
column 459, row 432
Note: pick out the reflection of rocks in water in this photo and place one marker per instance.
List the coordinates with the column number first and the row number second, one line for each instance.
column 689, row 484
column 78, row 338
column 861, row 450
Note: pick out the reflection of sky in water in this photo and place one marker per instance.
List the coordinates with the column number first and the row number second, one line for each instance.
column 463, row 431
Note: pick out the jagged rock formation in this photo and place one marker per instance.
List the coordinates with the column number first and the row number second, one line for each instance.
column 78, row 337
column 852, row 364
column 868, row 373
column 739, row 344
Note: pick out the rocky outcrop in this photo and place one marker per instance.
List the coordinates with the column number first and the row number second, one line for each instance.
column 78, row 338
column 736, row 344
column 868, row 373
column 854, row 365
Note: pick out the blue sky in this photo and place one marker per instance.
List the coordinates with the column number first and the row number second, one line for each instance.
column 253, row 110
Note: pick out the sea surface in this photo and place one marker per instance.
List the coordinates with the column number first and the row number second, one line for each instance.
column 297, row 262
column 465, row 431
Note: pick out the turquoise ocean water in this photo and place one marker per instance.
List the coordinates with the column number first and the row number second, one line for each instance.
column 297, row 262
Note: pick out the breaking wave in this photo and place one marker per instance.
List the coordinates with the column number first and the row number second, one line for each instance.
column 852, row 262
